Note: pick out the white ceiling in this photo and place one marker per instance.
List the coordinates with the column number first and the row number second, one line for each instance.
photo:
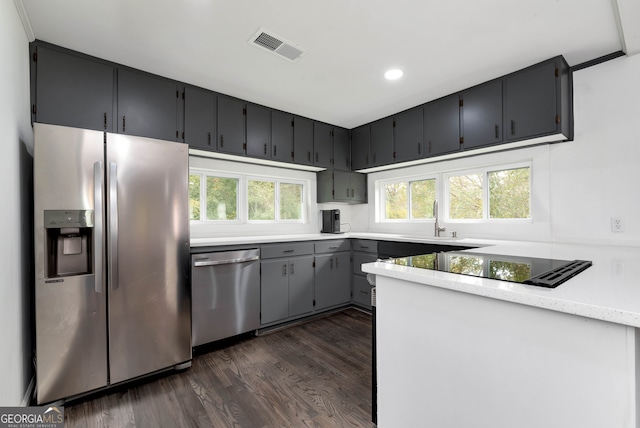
column 442, row 46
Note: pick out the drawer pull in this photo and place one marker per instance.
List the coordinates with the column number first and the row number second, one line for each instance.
column 363, row 292
column 287, row 251
column 333, row 248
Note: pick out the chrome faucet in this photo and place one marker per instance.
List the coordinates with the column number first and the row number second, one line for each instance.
column 438, row 229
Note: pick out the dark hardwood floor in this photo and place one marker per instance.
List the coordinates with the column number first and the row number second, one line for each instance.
column 316, row 374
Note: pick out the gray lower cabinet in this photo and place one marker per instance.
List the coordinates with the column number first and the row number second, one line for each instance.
column 332, row 279
column 364, row 251
column 286, row 288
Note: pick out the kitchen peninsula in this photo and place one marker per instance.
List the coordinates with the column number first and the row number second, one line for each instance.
column 468, row 351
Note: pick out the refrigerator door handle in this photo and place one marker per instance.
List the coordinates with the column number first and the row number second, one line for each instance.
column 98, row 196
column 113, row 226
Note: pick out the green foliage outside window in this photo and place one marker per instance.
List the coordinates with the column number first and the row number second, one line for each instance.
column 395, row 195
column 509, row 193
column 261, row 197
column 465, row 196
column 412, row 199
column 423, row 193
column 290, row 201
column 222, row 198
column 194, row 197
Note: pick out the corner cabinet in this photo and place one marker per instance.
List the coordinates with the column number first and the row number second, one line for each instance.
column 360, row 140
column 538, row 101
column 341, row 186
column 341, row 149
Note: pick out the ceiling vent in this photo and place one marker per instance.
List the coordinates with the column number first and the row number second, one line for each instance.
column 277, row 45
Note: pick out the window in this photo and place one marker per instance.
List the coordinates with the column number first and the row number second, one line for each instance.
column 219, row 193
column 216, row 197
column 409, row 200
column 490, row 194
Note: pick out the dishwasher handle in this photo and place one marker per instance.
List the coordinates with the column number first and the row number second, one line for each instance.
column 225, row 261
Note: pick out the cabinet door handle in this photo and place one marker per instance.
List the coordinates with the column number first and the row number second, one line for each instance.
column 284, row 269
column 316, row 156
column 274, row 150
column 352, row 193
column 105, row 120
column 330, row 263
column 419, row 149
column 221, row 140
column 336, row 263
column 124, row 123
column 291, row 269
column 209, row 139
column 308, row 156
column 497, row 131
column 513, row 127
column 265, row 148
column 287, row 251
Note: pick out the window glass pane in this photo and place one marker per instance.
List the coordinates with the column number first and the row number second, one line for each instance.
column 222, row 198
column 423, row 193
column 509, row 193
column 465, row 196
column 395, row 196
column 194, row 197
column 261, row 199
column 290, row 201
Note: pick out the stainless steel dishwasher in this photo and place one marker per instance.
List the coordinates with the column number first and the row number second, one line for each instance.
column 225, row 289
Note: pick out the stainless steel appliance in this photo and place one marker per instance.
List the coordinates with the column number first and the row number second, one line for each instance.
column 548, row 273
column 111, row 258
column 226, row 294
column 331, row 221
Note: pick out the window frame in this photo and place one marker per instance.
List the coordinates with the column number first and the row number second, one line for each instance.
column 382, row 196
column 203, row 196
column 484, row 171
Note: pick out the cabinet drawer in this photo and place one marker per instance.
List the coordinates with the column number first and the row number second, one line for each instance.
column 286, row 250
column 361, row 291
column 360, row 258
column 332, row 246
column 364, row 245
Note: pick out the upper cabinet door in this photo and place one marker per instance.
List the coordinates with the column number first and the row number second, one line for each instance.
column 360, row 138
column 200, row 118
column 341, row 149
column 408, row 134
column 322, row 144
column 147, row 106
column 258, row 131
column 302, row 141
column 73, row 91
column 442, row 126
column 482, row 115
column 231, row 127
column 381, row 148
column 531, row 101
column 281, row 136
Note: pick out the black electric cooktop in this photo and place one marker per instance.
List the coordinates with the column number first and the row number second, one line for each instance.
column 526, row 270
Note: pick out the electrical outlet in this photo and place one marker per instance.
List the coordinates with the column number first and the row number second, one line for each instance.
column 617, row 224
column 617, row 268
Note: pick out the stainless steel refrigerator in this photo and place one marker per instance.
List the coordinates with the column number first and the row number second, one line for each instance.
column 112, row 297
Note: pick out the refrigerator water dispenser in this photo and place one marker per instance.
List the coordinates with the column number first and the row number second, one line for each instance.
column 69, row 237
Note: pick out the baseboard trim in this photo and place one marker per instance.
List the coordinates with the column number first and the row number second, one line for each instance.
column 26, row 399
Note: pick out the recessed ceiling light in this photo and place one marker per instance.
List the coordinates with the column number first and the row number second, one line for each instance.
column 393, row 74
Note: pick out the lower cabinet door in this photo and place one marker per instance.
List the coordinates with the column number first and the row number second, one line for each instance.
column 300, row 285
column 274, row 289
column 324, row 281
column 342, row 278
column 361, row 291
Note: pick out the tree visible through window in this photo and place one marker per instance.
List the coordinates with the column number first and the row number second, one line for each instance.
column 465, row 196
column 290, row 201
column 194, row 196
column 509, row 194
column 261, row 197
column 409, row 199
column 222, row 198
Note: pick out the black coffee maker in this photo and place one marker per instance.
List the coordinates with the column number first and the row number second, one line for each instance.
column 331, row 221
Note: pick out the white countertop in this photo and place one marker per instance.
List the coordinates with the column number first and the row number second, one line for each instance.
column 608, row 290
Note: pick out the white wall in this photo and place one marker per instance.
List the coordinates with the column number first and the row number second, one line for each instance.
column 578, row 185
column 597, row 177
column 16, row 212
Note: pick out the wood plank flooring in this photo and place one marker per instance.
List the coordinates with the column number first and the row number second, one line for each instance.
column 316, row 374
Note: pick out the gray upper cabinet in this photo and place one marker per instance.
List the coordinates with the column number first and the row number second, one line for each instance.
column 360, row 139
column 341, row 149
column 408, row 134
column 322, row 144
column 381, row 146
column 341, row 186
column 258, row 131
column 231, row 125
column 73, row 91
column 281, row 136
column 442, row 126
column 482, row 115
column 537, row 101
column 148, row 106
column 199, row 118
column 302, row 141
